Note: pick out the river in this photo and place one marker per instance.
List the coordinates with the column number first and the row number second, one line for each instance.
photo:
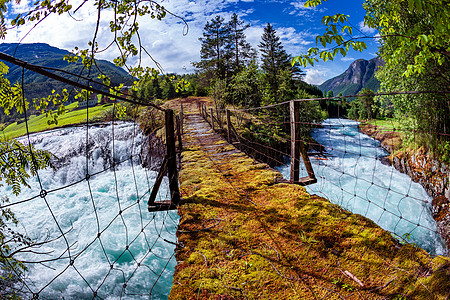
column 351, row 175
column 118, row 248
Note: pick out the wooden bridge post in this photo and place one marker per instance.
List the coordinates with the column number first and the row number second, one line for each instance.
column 172, row 159
column 181, row 118
column 295, row 141
column 298, row 148
column 228, row 126
column 308, row 165
column 212, row 118
column 179, row 132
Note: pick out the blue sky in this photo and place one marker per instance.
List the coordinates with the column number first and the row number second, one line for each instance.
column 175, row 51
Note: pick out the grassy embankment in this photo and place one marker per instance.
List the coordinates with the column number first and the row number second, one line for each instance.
column 39, row 123
column 387, row 131
column 245, row 237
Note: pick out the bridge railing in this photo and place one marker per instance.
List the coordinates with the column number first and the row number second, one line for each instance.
column 345, row 167
column 230, row 122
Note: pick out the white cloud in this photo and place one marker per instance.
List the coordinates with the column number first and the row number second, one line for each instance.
column 346, row 59
column 253, row 34
column 365, row 29
column 316, row 76
column 300, row 10
column 22, row 7
column 165, row 40
column 294, row 42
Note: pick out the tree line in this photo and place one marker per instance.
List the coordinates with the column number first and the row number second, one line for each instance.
column 233, row 72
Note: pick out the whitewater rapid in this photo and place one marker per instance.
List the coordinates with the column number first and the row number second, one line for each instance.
column 351, row 175
column 111, row 246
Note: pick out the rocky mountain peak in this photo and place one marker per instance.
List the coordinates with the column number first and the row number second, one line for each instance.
column 360, row 74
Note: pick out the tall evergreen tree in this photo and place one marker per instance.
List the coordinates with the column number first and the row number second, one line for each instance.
column 238, row 44
column 274, row 57
column 215, row 52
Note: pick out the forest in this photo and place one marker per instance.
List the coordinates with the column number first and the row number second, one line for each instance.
column 233, row 72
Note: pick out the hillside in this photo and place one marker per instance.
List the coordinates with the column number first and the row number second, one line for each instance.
column 360, row 74
column 41, row 54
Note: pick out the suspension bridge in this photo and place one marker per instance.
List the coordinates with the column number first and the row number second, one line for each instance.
column 245, row 233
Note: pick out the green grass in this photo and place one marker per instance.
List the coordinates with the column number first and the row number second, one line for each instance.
column 39, row 123
column 72, row 106
column 386, row 124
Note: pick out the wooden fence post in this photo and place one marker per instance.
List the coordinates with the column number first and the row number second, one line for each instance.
column 181, row 118
column 179, row 132
column 219, row 118
column 212, row 118
column 298, row 148
column 172, row 159
column 295, row 141
column 228, row 126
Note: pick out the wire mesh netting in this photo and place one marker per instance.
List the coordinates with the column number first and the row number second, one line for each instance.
column 87, row 232
column 352, row 169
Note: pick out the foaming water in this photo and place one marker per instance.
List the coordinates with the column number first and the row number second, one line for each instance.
column 352, row 176
column 100, row 239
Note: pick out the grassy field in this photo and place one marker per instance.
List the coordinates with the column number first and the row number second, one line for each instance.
column 39, row 123
column 385, row 124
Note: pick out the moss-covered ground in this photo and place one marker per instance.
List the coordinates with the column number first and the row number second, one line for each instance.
column 245, row 237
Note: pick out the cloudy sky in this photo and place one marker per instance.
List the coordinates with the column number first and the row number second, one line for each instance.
column 175, row 46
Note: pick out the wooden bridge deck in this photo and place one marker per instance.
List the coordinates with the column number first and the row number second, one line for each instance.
column 242, row 235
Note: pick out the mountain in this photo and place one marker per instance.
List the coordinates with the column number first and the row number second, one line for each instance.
column 360, row 74
column 36, row 85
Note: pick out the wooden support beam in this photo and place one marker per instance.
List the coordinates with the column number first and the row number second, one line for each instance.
column 172, row 159
column 295, row 141
column 298, row 148
column 307, row 162
column 212, row 118
column 162, row 206
column 179, row 132
column 228, row 126
column 306, row 181
column 158, row 181
column 181, row 118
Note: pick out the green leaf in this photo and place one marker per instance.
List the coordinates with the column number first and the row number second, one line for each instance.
column 4, row 69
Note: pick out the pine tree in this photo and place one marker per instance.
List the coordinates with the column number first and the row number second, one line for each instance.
column 215, row 52
column 274, row 57
column 239, row 46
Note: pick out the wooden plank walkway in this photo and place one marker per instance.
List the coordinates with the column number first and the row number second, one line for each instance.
column 242, row 235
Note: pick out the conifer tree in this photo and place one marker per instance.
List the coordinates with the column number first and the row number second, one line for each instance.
column 238, row 44
column 215, row 52
column 274, row 57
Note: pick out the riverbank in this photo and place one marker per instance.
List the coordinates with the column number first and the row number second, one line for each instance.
column 242, row 235
column 422, row 168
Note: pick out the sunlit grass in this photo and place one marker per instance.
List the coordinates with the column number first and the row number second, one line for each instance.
column 386, row 124
column 39, row 123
